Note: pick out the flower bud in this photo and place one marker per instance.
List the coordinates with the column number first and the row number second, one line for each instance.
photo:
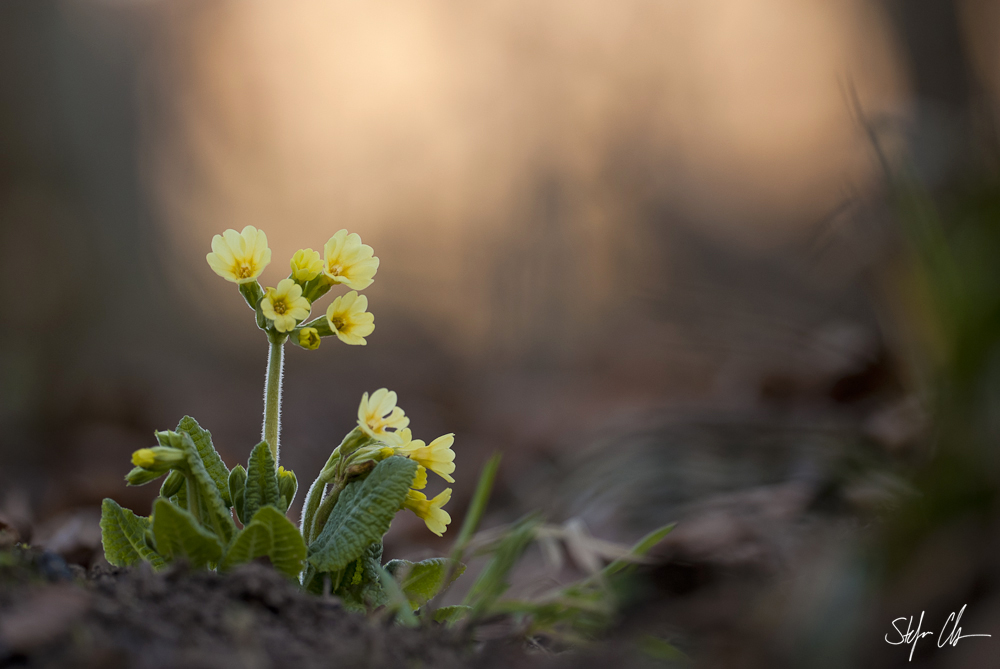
column 306, row 265
column 140, row 476
column 158, row 459
column 172, row 484
column 287, row 485
column 309, row 339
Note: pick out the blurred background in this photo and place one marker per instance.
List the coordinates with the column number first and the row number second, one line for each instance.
column 722, row 262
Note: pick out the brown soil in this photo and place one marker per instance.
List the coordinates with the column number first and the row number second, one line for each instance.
column 54, row 615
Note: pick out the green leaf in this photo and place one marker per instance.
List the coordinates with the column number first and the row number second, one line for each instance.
column 237, row 488
column 262, row 481
column 492, row 581
column 362, row 514
column 360, row 585
column 270, row 533
column 452, row 614
column 421, row 581
column 477, row 507
column 640, row 548
column 124, row 537
column 214, row 465
column 396, row 600
column 178, row 534
column 214, row 512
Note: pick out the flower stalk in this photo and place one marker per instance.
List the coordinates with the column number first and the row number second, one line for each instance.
column 272, row 394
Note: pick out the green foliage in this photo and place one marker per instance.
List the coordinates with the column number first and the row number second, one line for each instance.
column 124, row 536
column 640, row 549
column 216, row 468
column 178, row 534
column 492, row 582
column 452, row 614
column 396, row 600
column 237, row 490
column 262, row 481
column 212, row 510
column 360, row 585
column 362, row 514
column 422, row 581
column 269, row 533
column 172, row 485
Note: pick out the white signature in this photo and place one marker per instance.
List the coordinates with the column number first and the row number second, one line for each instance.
column 912, row 636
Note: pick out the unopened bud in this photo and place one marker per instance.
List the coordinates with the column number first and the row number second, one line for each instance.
column 287, row 485
column 309, row 338
column 158, row 458
column 172, row 484
column 140, row 476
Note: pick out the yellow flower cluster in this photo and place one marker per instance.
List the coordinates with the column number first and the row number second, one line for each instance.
column 240, row 257
column 380, row 418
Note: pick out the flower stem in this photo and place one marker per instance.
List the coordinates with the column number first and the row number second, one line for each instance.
column 272, row 396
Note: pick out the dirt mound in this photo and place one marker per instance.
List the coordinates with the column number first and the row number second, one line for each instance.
column 53, row 615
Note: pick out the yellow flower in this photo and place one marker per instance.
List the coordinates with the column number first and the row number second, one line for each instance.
column 419, row 479
column 436, row 456
column 349, row 319
column 239, row 257
column 285, row 305
column 346, row 260
column 437, row 519
column 379, row 414
column 309, row 338
column 306, row 265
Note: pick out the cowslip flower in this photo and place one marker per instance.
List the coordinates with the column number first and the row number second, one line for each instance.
column 239, row 257
column 346, row 260
column 379, row 414
column 436, row 456
column 430, row 511
column 306, row 265
column 349, row 319
column 285, row 305
column 419, row 479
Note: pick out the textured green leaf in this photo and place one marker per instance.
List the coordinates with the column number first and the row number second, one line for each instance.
column 363, row 514
column 262, row 481
column 452, row 614
column 214, row 465
column 251, row 543
column 270, row 533
column 178, row 534
column 215, row 513
column 421, row 581
column 360, row 586
column 124, row 536
column 237, row 487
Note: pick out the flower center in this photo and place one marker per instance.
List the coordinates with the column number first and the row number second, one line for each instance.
column 338, row 323
column 335, row 269
column 244, row 271
column 280, row 307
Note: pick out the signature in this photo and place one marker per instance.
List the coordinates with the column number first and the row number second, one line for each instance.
column 912, row 636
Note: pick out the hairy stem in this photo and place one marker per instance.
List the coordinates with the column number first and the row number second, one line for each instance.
column 325, row 509
column 312, row 502
column 272, row 396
